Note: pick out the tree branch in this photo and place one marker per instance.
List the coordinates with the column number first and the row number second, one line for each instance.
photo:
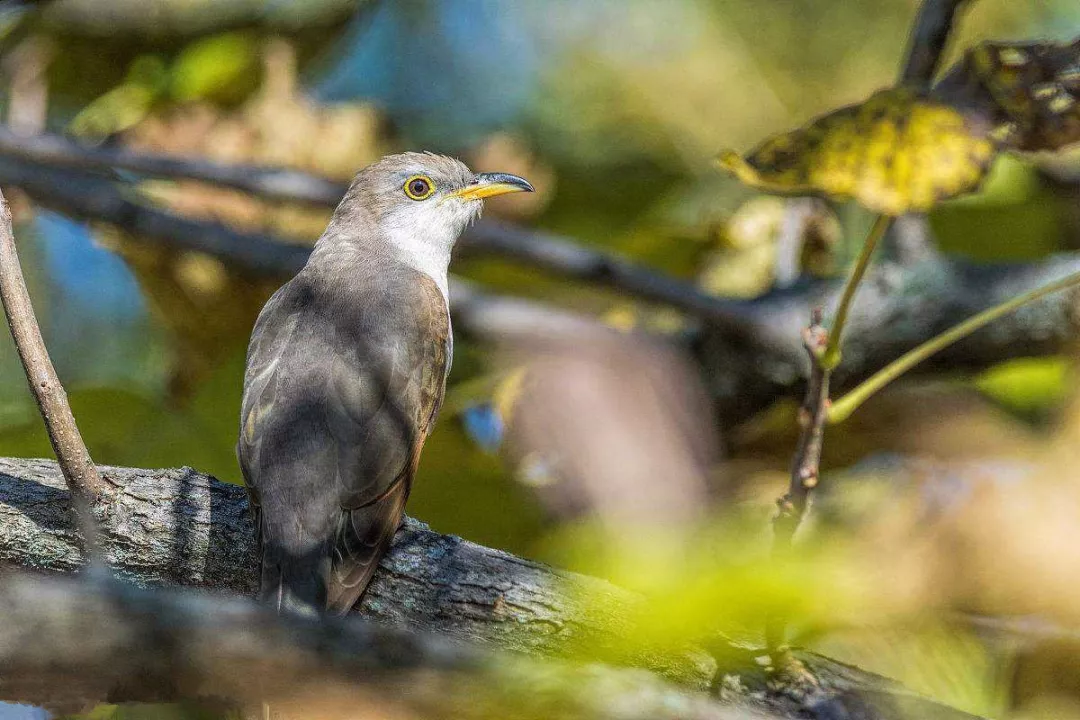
column 537, row 249
column 750, row 349
column 568, row 259
column 900, row 307
column 179, row 527
column 92, row 198
column 64, row 643
column 67, row 643
column 269, row 182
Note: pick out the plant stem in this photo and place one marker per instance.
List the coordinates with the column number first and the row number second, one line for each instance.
column 805, row 465
column 929, row 39
column 831, row 357
column 842, row 408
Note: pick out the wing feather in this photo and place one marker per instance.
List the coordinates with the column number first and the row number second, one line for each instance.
column 340, row 394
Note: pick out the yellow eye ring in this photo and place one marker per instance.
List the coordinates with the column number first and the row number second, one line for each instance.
column 419, row 187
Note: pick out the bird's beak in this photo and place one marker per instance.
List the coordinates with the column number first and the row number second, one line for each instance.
column 491, row 184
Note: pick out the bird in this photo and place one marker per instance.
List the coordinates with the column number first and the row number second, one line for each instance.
column 345, row 374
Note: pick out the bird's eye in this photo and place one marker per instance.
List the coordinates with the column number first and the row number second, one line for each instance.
column 419, row 187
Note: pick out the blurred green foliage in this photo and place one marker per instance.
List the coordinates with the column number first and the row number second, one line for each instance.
column 222, row 68
column 1029, row 386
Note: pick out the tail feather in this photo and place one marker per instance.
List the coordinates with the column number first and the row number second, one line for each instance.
column 332, row 576
column 295, row 584
column 364, row 535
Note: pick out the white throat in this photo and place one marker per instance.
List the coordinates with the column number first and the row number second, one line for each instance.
column 424, row 253
column 425, row 238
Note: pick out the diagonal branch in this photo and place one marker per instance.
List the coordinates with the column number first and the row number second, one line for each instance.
column 928, row 41
column 92, row 198
column 563, row 257
column 274, row 183
column 544, row 250
column 79, row 470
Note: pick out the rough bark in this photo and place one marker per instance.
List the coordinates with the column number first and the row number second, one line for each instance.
column 180, row 527
column 64, row 644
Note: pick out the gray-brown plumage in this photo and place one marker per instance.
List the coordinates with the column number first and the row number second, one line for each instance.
column 346, row 371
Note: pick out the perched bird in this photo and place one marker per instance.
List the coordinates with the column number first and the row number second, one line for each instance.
column 346, row 371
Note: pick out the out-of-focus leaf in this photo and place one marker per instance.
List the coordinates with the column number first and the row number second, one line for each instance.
column 1028, row 92
column 717, row 578
column 127, row 104
column 220, row 67
column 769, row 242
column 744, row 259
column 1028, row 385
column 167, row 19
column 1015, row 217
column 629, row 316
column 1010, row 183
column 897, row 152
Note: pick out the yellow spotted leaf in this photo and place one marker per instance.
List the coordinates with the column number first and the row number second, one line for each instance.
column 897, row 152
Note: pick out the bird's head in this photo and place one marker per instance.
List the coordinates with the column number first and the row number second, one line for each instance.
column 421, row 202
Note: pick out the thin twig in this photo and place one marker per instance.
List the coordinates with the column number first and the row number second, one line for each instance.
column 806, row 463
column 79, row 470
column 846, row 405
column 823, row 351
column 928, row 41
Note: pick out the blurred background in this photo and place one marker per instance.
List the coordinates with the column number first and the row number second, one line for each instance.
column 614, row 110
